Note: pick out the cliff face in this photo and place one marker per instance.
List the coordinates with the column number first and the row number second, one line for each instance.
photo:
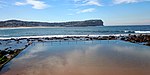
column 18, row 23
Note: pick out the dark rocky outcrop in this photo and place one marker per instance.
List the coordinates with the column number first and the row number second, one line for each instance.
column 19, row 23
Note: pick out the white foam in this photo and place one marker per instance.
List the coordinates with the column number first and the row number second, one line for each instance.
column 142, row 31
column 61, row 36
column 129, row 31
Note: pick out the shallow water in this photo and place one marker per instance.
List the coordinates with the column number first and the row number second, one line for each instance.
column 81, row 58
column 13, row 44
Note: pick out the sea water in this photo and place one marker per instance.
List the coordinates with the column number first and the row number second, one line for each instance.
column 92, row 30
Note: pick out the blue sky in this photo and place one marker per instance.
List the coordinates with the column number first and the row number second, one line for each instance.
column 112, row 12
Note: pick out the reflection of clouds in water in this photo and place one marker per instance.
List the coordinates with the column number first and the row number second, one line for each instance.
column 33, row 52
column 80, row 56
column 136, row 51
column 71, row 63
column 83, row 60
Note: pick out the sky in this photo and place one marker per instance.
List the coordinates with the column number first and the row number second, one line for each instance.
column 112, row 12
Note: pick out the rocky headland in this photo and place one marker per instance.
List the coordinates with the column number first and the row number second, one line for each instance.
column 19, row 23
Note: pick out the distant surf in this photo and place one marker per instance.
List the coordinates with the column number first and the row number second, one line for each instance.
column 61, row 36
column 142, row 31
column 130, row 31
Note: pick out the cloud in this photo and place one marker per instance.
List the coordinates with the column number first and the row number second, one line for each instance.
column 36, row 4
column 98, row 3
column 127, row 1
column 87, row 2
column 93, row 3
column 3, row 4
column 20, row 3
column 86, row 10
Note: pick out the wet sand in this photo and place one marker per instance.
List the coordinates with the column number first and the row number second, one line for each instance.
column 81, row 58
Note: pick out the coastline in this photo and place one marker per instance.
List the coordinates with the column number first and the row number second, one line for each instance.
column 61, row 36
column 17, row 53
column 64, row 36
column 7, row 54
column 19, row 23
column 133, row 38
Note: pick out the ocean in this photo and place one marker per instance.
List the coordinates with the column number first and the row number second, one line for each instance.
column 92, row 30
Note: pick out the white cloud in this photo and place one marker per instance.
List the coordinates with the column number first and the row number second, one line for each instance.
column 127, row 1
column 86, row 10
column 2, row 4
column 87, row 2
column 36, row 4
column 93, row 3
column 20, row 3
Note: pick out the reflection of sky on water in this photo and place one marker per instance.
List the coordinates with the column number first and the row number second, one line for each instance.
column 33, row 52
column 82, row 58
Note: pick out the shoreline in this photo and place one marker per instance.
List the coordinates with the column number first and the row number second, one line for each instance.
column 133, row 38
column 2, row 65
column 9, row 56
column 63, row 36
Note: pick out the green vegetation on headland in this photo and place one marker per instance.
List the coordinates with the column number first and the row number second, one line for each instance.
column 18, row 23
